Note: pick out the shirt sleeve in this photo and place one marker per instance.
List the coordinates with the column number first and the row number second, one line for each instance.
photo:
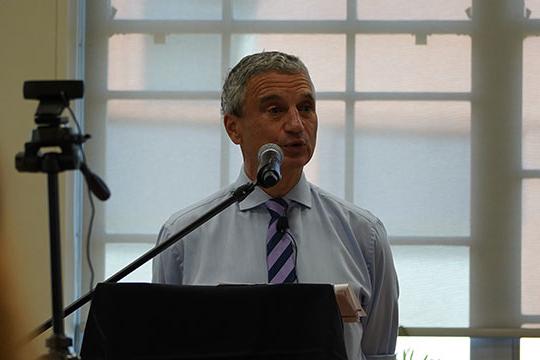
column 382, row 321
column 167, row 267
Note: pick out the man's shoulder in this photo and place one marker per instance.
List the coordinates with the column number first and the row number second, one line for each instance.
column 195, row 210
column 331, row 202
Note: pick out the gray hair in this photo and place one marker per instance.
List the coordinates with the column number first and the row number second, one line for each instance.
column 234, row 88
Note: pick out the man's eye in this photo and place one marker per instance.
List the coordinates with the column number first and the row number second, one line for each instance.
column 274, row 110
column 306, row 108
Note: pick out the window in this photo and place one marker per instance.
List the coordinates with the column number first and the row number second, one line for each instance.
column 420, row 122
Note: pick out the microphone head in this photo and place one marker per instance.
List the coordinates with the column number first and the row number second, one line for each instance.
column 266, row 149
column 269, row 170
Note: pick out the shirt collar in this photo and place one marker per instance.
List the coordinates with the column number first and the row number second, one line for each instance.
column 300, row 193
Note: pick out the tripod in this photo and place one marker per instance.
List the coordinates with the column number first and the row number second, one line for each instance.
column 53, row 134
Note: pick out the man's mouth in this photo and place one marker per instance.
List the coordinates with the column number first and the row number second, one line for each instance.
column 294, row 145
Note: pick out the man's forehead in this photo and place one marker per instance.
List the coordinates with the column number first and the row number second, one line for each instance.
column 268, row 84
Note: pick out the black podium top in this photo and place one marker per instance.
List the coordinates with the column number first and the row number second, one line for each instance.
column 153, row 321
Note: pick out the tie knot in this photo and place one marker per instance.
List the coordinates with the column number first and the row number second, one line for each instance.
column 277, row 207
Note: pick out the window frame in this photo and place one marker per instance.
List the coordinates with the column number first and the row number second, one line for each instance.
column 502, row 20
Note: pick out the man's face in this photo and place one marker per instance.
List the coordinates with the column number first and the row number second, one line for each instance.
column 280, row 109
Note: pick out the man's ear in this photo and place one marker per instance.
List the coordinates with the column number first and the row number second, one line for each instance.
column 232, row 127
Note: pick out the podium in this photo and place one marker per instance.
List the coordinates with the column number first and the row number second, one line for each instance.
column 155, row 321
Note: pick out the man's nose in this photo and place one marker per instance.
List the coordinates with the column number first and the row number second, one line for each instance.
column 294, row 121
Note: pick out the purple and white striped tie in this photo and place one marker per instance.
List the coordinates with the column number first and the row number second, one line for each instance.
column 280, row 247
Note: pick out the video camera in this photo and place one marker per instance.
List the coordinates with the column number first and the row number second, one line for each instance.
column 53, row 96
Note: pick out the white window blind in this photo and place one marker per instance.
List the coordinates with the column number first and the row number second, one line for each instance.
column 405, row 131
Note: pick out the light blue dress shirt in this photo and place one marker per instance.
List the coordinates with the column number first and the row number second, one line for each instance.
column 337, row 242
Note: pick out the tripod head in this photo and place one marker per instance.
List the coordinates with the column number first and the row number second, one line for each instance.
column 52, row 132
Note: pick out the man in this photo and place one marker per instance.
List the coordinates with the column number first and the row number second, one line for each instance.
column 269, row 98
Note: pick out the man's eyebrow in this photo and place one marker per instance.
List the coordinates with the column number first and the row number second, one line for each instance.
column 308, row 95
column 269, row 98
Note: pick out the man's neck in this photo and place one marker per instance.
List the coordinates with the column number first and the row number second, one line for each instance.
column 288, row 180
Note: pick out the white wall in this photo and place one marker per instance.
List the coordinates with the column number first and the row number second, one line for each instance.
column 36, row 40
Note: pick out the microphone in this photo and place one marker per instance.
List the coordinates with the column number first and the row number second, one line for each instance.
column 270, row 157
column 282, row 224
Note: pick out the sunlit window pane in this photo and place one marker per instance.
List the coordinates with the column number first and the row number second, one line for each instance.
column 443, row 290
column 327, row 167
column 324, row 55
column 397, row 63
column 164, row 62
column 529, row 348
column 412, row 166
column 530, row 248
column 235, row 161
column 118, row 256
column 534, row 6
column 431, row 348
column 531, row 105
column 167, row 9
column 153, row 162
column 412, row 9
column 290, row 10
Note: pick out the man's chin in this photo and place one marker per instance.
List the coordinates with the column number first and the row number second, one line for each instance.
column 294, row 163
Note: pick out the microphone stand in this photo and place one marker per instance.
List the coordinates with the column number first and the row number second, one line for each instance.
column 236, row 196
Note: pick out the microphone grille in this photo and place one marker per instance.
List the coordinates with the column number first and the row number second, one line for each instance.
column 270, row 147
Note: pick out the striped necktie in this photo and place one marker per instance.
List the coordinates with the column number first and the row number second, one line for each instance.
column 280, row 246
